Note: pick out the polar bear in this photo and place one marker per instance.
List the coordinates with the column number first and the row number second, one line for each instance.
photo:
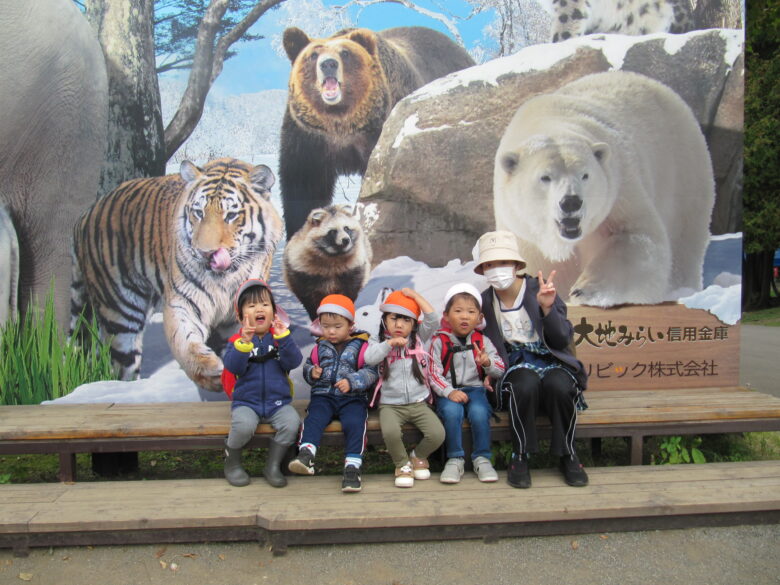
column 608, row 181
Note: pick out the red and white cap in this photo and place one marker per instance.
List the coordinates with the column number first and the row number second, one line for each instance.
column 338, row 305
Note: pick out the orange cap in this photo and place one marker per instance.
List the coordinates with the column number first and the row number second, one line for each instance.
column 339, row 305
column 398, row 302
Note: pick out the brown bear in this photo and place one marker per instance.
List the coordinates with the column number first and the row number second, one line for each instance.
column 341, row 91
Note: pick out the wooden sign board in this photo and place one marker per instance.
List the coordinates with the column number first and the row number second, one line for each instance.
column 655, row 347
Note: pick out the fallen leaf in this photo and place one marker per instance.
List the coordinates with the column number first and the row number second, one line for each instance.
column 26, row 576
column 153, row 462
column 190, row 555
column 575, row 544
column 174, row 567
column 603, row 536
column 160, row 552
column 163, row 564
column 66, row 558
column 221, row 557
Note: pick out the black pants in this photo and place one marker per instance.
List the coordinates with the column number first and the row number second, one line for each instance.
column 554, row 395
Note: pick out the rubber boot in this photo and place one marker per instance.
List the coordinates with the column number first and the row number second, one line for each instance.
column 234, row 472
column 272, row 472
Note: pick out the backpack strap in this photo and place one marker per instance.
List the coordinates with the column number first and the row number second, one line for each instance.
column 448, row 349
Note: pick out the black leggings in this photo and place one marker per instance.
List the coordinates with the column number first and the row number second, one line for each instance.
column 554, row 395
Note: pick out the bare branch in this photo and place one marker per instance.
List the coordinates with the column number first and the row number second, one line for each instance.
column 447, row 22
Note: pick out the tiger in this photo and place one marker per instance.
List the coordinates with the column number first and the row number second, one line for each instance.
column 184, row 243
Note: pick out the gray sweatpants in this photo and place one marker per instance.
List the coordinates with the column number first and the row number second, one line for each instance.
column 244, row 421
column 392, row 417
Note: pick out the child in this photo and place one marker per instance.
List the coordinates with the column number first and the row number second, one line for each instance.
column 462, row 360
column 260, row 359
column 338, row 390
column 403, row 367
column 527, row 321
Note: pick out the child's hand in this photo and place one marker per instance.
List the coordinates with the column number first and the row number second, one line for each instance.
column 316, row 372
column 279, row 326
column 483, row 359
column 397, row 342
column 247, row 329
column 343, row 385
column 458, row 396
column 425, row 306
column 488, row 386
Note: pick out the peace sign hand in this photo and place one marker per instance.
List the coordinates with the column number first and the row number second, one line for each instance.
column 546, row 295
column 247, row 329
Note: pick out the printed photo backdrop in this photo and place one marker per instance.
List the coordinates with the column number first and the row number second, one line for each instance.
column 647, row 248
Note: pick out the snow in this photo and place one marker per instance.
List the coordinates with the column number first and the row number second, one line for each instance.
column 724, row 303
column 543, row 56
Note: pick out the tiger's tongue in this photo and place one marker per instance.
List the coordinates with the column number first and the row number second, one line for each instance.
column 220, row 260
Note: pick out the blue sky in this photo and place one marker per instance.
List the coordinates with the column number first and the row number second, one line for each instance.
column 257, row 67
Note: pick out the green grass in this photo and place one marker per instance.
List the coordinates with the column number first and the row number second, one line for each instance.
column 767, row 317
column 38, row 362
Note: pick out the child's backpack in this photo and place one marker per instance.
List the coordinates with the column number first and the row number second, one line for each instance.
column 423, row 359
column 449, row 349
column 229, row 378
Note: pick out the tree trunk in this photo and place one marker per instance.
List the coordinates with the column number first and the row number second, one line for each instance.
column 135, row 130
column 717, row 14
column 756, row 280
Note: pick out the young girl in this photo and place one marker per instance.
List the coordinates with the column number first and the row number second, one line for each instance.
column 404, row 394
column 260, row 358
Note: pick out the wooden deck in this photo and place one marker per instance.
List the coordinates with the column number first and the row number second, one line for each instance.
column 312, row 510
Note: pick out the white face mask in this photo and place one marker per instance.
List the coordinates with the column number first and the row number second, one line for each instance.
column 502, row 277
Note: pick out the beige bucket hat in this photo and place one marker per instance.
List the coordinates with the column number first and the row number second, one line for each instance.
column 498, row 245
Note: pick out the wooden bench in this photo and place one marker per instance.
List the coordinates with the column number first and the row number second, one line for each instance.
column 103, row 428
column 312, row 510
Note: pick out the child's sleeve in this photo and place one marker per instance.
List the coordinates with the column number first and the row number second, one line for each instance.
column 497, row 367
column 307, row 367
column 439, row 382
column 363, row 378
column 236, row 357
column 290, row 356
column 376, row 352
column 428, row 325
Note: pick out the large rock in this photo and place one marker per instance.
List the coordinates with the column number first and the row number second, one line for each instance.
column 428, row 186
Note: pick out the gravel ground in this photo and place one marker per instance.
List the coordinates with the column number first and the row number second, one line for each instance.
column 747, row 555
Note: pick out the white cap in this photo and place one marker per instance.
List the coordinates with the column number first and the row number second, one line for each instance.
column 463, row 287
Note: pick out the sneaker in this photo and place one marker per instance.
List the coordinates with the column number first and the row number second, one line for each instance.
column 303, row 464
column 484, row 469
column 519, row 476
column 573, row 472
column 404, row 476
column 453, row 470
column 351, row 480
column 420, row 468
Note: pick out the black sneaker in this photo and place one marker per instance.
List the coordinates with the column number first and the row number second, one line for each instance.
column 519, row 475
column 573, row 472
column 303, row 464
column 351, row 481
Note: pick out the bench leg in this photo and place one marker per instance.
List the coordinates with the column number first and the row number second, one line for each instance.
column 595, row 447
column 637, row 442
column 278, row 544
column 67, row 467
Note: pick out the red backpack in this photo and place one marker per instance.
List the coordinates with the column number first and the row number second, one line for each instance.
column 448, row 349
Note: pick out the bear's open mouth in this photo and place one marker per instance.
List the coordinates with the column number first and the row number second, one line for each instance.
column 331, row 90
column 570, row 228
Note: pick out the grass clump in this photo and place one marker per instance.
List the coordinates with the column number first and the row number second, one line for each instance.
column 38, row 362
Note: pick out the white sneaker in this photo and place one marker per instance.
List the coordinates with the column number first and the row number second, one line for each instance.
column 420, row 468
column 453, row 470
column 403, row 476
column 484, row 469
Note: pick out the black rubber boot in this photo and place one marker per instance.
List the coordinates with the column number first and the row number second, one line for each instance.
column 234, row 472
column 272, row 472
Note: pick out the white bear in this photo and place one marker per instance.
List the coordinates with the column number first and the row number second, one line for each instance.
column 608, row 181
